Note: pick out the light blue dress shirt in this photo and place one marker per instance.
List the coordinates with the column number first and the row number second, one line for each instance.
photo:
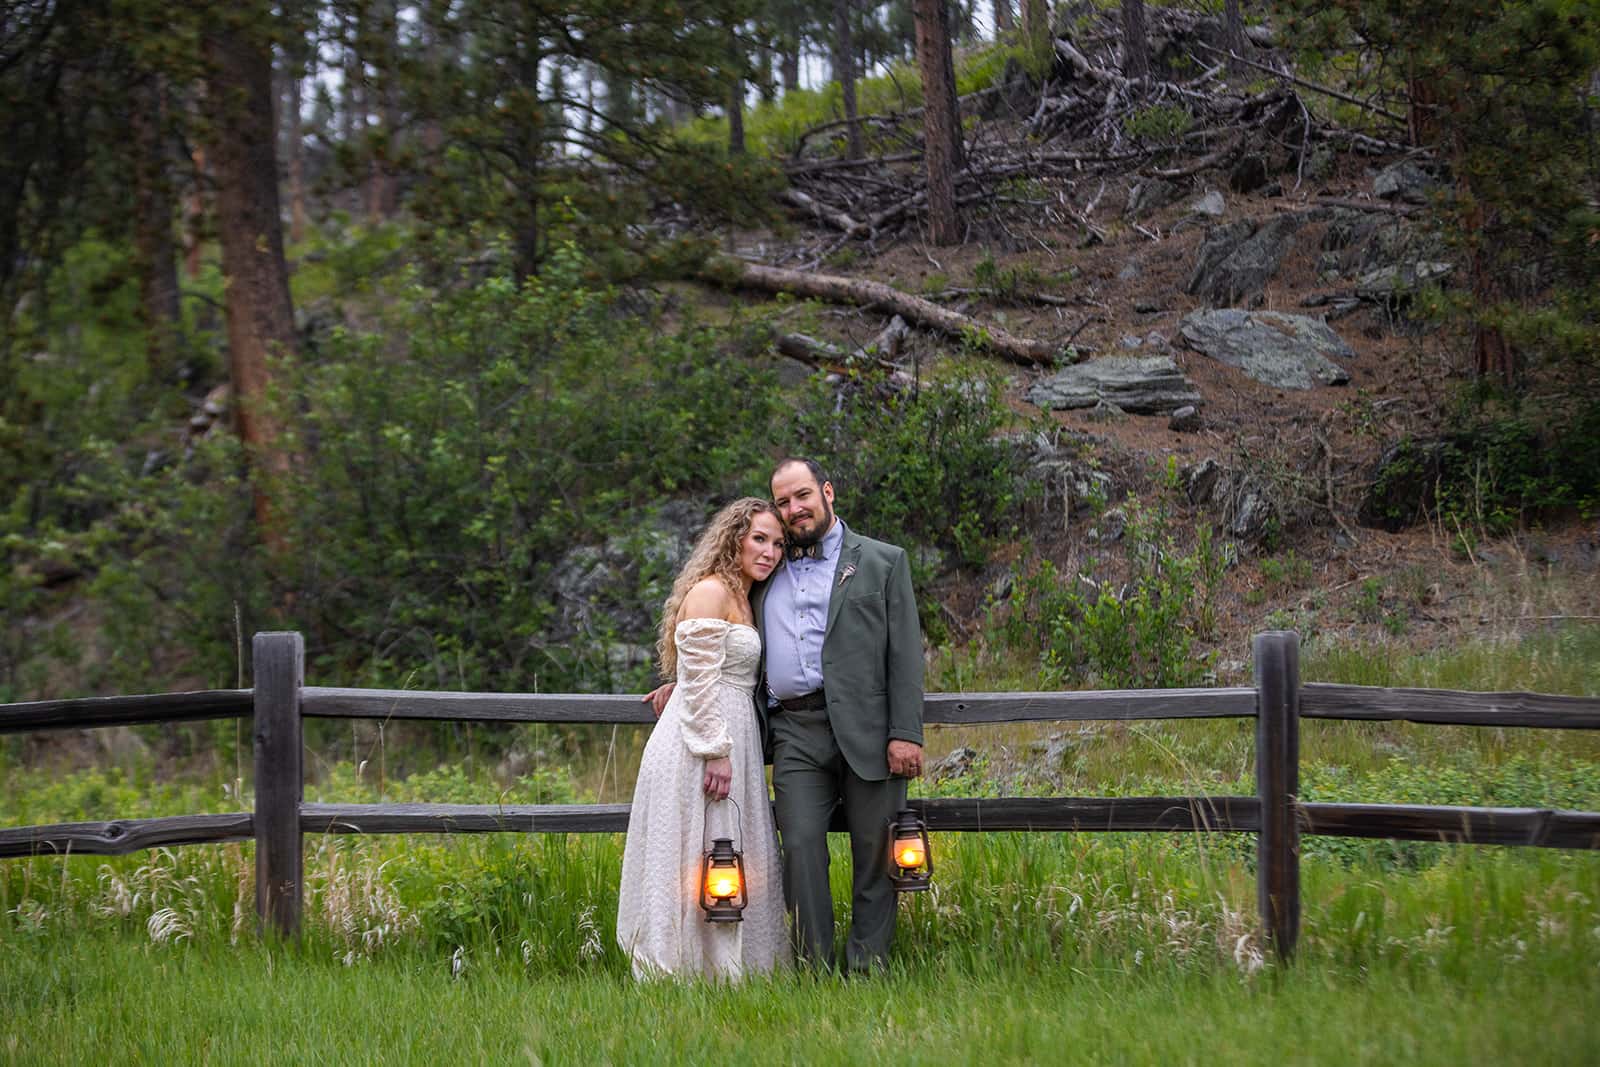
column 794, row 618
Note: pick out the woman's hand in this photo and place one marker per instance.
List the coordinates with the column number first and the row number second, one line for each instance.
column 657, row 698
column 719, row 775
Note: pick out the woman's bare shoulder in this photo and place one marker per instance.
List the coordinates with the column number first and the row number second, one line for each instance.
column 709, row 598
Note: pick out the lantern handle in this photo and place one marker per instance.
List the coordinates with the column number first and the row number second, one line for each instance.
column 738, row 821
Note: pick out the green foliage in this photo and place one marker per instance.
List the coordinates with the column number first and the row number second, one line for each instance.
column 1016, row 281
column 1158, row 123
column 778, row 127
column 1502, row 90
column 918, row 466
column 445, row 459
column 1138, row 633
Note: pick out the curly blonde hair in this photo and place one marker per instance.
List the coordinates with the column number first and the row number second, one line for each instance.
column 715, row 555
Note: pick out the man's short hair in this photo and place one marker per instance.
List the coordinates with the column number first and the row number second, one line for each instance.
column 809, row 464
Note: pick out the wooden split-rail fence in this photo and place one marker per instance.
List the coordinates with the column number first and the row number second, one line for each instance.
column 280, row 701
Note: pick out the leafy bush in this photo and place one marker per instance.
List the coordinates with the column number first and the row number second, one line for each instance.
column 1157, row 123
column 1135, row 634
column 920, row 465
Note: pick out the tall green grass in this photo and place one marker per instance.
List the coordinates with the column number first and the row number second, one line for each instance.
column 1033, row 949
column 1140, row 948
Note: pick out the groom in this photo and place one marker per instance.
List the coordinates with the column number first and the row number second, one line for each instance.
column 841, row 701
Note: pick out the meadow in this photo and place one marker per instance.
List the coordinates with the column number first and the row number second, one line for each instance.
column 1130, row 948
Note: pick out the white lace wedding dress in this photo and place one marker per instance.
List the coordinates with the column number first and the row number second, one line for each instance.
column 659, row 920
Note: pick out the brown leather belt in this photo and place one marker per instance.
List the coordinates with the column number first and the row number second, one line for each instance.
column 809, row 702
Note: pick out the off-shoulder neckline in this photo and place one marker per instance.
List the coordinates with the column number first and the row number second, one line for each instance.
column 709, row 618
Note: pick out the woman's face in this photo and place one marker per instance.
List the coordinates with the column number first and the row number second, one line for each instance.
column 762, row 546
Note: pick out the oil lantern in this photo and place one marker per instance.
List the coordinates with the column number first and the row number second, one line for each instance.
column 910, row 859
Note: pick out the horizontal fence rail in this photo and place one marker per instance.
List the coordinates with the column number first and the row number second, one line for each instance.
column 80, row 712
column 118, row 837
column 1533, row 827
column 938, row 708
column 1447, row 707
column 1277, row 701
column 1318, row 700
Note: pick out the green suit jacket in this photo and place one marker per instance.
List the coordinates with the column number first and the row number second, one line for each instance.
column 871, row 655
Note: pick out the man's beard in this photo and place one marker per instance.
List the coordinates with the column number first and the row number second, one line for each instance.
column 824, row 523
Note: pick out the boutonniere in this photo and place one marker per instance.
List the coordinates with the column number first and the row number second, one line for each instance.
column 844, row 575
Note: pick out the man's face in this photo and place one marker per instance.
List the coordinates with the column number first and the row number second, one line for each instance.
column 806, row 507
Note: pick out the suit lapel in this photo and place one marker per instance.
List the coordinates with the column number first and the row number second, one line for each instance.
column 758, row 600
column 849, row 559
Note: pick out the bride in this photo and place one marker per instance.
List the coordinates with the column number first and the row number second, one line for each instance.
column 704, row 750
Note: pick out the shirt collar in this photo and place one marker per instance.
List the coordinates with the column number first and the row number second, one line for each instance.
column 829, row 546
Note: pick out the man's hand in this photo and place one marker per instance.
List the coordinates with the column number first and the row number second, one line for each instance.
column 719, row 775
column 905, row 759
column 657, row 698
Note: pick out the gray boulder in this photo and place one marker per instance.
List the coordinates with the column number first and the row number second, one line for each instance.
column 1403, row 181
column 1149, row 196
column 1185, row 420
column 616, row 588
column 1211, row 203
column 1282, row 350
column 1238, row 258
column 1385, row 283
column 1247, row 504
column 1149, row 385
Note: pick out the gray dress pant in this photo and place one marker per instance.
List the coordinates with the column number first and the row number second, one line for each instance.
column 810, row 777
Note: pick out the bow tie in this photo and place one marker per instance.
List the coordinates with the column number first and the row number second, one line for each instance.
column 811, row 551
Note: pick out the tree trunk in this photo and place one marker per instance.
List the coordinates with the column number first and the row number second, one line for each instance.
column 789, row 66
column 736, row 118
column 1233, row 33
column 940, row 121
column 844, row 73
column 194, row 211
column 257, row 305
column 1002, row 16
column 1135, row 41
column 294, row 147
column 1036, row 27
column 155, row 250
column 385, row 195
column 864, row 293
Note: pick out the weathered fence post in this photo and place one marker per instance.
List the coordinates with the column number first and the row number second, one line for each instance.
column 279, row 664
column 1277, row 675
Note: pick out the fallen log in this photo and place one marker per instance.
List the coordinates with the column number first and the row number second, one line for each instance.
column 811, row 205
column 735, row 273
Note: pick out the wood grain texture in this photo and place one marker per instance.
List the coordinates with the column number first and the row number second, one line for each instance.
column 1277, row 677
column 81, row 712
column 1539, row 827
column 118, row 837
column 331, row 703
column 1324, row 700
column 325, row 702
column 278, row 660
column 463, row 818
column 1086, row 814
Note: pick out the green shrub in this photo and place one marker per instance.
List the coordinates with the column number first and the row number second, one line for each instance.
column 1138, row 633
column 918, row 465
column 1158, row 123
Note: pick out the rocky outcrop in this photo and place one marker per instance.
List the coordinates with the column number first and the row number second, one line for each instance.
column 1151, row 385
column 1237, row 259
column 1403, row 181
column 1246, row 504
column 615, row 589
column 1282, row 350
column 1402, row 484
column 1149, row 196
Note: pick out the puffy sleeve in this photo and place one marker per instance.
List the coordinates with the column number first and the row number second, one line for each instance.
column 701, row 648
